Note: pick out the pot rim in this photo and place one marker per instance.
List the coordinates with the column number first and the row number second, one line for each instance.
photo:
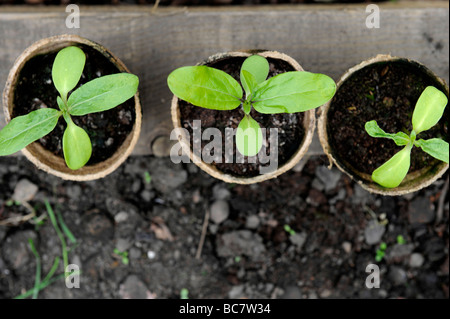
column 309, row 123
column 413, row 181
column 35, row 152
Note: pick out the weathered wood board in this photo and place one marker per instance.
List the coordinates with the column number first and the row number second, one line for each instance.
column 327, row 39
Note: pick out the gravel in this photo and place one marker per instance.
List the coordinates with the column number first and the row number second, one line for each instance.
column 373, row 232
column 219, row 211
column 24, row 191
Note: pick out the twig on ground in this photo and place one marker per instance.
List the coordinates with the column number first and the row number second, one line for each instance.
column 16, row 220
column 202, row 238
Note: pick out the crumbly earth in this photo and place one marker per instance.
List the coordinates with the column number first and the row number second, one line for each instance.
column 157, row 217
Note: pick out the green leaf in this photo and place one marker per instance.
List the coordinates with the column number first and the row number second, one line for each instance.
column 102, row 94
column 293, row 92
column 248, row 82
column 258, row 68
column 23, row 130
column 66, row 229
column 77, row 146
column 374, row 130
column 67, row 69
column 61, row 104
column 392, row 173
column 247, row 107
column 248, row 136
column 429, row 109
column 205, row 87
column 435, row 147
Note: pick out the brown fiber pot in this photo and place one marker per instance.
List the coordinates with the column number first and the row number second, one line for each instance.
column 414, row 181
column 35, row 152
column 309, row 124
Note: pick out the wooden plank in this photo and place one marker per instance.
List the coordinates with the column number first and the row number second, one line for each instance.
column 327, row 39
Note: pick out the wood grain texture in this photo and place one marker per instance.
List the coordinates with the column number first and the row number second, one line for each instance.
column 327, row 39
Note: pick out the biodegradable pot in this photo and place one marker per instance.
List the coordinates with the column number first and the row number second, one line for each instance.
column 415, row 180
column 35, row 152
column 309, row 123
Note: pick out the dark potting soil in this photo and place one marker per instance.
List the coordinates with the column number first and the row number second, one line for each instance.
column 386, row 92
column 290, row 129
column 107, row 130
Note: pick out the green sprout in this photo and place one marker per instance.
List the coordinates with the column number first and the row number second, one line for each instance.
column 401, row 240
column 184, row 293
column 147, row 177
column 289, row 92
column 40, row 284
column 427, row 113
column 289, row 230
column 237, row 259
column 381, row 252
column 98, row 95
column 123, row 255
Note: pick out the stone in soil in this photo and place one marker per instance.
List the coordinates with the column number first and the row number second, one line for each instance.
column 398, row 253
column 167, row 176
column 416, row 260
column 240, row 242
column 16, row 249
column 162, row 145
column 236, row 292
column 134, row 288
column 397, row 276
column 220, row 192
column 360, row 196
column 347, row 247
column 24, row 191
column 421, row 211
column 298, row 239
column 373, row 232
column 219, row 211
column 74, row 192
column 328, row 177
column 252, row 222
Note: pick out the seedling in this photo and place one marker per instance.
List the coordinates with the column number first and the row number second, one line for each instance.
column 401, row 240
column 427, row 113
column 98, row 95
column 289, row 92
column 123, row 255
column 381, row 252
column 147, row 177
column 289, row 230
column 40, row 284
column 184, row 293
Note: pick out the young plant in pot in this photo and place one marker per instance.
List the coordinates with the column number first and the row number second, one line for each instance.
column 244, row 98
column 82, row 95
column 388, row 98
column 427, row 113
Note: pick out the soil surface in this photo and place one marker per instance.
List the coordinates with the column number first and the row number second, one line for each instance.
column 387, row 93
column 107, row 130
column 155, row 211
column 290, row 126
